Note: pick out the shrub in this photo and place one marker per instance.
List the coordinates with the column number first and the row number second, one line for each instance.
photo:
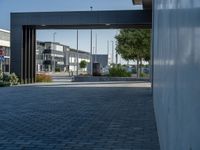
column 8, row 79
column 4, row 84
column 1, row 75
column 134, row 70
column 43, row 78
column 143, row 75
column 118, row 71
column 13, row 79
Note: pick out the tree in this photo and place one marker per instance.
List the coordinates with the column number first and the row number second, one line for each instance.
column 83, row 64
column 134, row 44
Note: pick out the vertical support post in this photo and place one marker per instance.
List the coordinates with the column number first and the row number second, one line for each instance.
column 96, row 47
column 116, row 57
column 112, row 52
column 152, row 51
column 28, row 55
column 77, row 54
column 53, row 53
column 91, row 60
column 108, row 48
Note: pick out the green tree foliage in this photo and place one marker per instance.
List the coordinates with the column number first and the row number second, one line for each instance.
column 134, row 44
column 83, row 64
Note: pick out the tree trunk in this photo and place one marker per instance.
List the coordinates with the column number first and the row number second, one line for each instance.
column 140, row 66
column 137, row 68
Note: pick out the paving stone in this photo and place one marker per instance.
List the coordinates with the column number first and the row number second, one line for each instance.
column 95, row 116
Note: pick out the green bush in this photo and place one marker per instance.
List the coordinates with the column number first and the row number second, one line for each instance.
column 142, row 75
column 8, row 79
column 1, row 75
column 13, row 79
column 4, row 84
column 43, row 78
column 118, row 71
column 134, row 71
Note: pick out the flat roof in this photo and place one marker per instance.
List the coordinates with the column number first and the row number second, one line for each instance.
column 110, row 19
column 3, row 30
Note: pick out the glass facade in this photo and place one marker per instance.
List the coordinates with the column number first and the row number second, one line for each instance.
column 51, row 54
column 48, row 55
column 5, row 47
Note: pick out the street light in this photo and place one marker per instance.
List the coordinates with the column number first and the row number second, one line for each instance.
column 77, row 56
column 108, row 49
column 91, row 47
column 112, row 52
column 116, row 55
column 53, row 54
column 95, row 56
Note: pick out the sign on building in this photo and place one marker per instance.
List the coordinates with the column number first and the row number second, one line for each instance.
column 2, row 58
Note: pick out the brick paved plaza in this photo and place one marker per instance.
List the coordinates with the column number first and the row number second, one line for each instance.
column 78, row 116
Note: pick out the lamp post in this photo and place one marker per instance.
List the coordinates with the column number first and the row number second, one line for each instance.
column 77, row 55
column 91, row 48
column 112, row 52
column 95, row 56
column 116, row 55
column 108, row 49
column 53, row 54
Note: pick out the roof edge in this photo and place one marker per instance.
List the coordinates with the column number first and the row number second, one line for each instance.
column 3, row 30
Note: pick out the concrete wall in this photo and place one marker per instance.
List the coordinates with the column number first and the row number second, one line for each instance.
column 177, row 73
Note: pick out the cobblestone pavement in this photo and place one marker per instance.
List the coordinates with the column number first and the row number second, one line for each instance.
column 96, row 116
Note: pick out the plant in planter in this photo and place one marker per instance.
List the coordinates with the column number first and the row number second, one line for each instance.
column 8, row 79
column 118, row 71
column 43, row 78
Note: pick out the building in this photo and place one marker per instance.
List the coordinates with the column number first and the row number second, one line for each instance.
column 72, row 56
column 5, row 47
column 47, row 54
column 57, row 56
column 175, row 58
column 50, row 56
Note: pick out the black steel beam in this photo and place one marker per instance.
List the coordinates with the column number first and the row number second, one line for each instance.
column 28, row 55
column 24, row 25
column 85, row 19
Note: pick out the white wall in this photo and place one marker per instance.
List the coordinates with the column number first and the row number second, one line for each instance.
column 5, row 43
column 177, row 73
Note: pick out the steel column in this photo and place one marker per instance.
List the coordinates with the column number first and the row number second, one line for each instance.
column 28, row 55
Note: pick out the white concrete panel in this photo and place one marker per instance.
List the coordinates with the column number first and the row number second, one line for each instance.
column 177, row 73
column 5, row 43
column 59, row 48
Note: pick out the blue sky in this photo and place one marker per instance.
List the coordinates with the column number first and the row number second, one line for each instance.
column 67, row 37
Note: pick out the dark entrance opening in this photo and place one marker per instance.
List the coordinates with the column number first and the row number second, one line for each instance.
column 24, row 26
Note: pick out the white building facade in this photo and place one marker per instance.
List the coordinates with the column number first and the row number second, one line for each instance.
column 5, row 47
